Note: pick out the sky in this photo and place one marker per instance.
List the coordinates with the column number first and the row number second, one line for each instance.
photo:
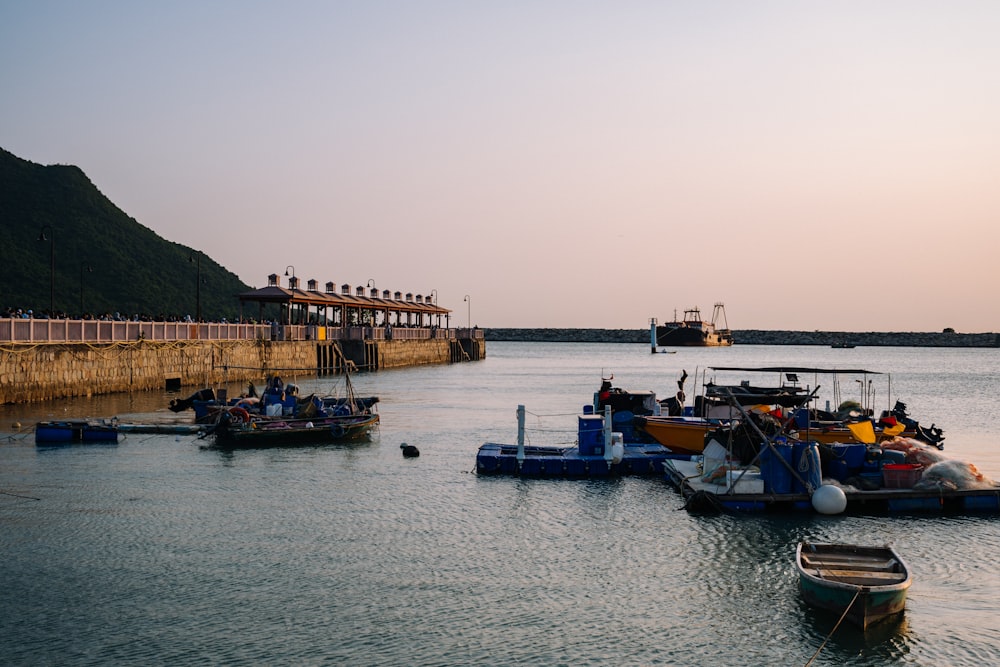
column 813, row 165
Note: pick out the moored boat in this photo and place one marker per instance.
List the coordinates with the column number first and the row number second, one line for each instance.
column 316, row 422
column 70, row 431
column 789, row 403
column 693, row 331
column 236, row 430
column 277, row 399
column 867, row 584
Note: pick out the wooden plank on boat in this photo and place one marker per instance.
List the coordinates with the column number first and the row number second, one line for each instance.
column 857, row 578
column 850, row 563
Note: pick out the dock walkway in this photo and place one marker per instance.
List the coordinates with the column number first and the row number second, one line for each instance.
column 686, row 477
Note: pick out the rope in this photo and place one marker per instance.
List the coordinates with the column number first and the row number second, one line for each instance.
column 17, row 495
column 842, row 617
column 568, row 414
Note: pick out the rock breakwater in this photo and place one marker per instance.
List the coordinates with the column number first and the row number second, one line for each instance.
column 757, row 337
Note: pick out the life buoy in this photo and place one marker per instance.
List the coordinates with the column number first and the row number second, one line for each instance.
column 240, row 413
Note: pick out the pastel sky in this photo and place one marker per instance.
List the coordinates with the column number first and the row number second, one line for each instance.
column 813, row 165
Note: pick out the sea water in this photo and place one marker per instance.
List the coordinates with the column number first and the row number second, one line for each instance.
column 159, row 550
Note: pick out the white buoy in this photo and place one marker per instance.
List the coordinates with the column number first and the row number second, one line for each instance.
column 829, row 499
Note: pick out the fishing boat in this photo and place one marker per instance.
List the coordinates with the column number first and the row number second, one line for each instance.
column 318, row 422
column 867, row 584
column 693, row 331
column 686, row 427
column 76, row 431
column 237, row 430
column 277, row 399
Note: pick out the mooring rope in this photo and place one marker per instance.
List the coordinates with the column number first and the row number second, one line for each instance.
column 842, row 617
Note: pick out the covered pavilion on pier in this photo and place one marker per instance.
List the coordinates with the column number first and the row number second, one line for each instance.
column 363, row 305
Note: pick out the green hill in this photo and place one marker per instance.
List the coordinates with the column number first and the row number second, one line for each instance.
column 132, row 269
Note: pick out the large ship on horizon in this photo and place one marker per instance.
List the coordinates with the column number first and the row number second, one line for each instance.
column 692, row 331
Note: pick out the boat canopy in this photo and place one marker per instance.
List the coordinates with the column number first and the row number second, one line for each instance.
column 797, row 369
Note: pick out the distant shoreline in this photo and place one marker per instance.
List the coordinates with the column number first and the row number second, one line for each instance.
column 755, row 337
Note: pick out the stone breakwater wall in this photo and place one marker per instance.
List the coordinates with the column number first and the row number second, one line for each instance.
column 756, row 337
column 48, row 371
column 32, row 372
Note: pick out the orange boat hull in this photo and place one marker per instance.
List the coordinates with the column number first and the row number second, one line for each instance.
column 677, row 433
column 686, row 434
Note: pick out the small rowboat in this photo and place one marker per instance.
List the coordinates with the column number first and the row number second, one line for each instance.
column 76, row 431
column 867, row 584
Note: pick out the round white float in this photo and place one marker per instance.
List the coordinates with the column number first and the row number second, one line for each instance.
column 829, row 499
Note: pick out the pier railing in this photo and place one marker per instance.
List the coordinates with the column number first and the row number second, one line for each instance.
column 17, row 330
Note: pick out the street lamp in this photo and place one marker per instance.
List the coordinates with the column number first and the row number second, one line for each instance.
column 196, row 257
column 83, row 267
column 468, row 299
column 52, row 266
column 291, row 285
column 434, row 293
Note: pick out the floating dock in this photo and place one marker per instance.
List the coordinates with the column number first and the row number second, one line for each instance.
column 160, row 428
column 703, row 496
column 598, row 453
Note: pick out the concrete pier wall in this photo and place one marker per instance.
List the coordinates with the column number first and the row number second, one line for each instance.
column 40, row 372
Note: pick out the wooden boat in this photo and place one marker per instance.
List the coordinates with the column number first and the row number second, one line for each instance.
column 867, row 583
column 76, row 431
column 692, row 331
column 341, row 420
column 207, row 403
column 233, row 432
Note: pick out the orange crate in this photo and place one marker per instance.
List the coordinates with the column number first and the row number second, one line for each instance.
column 901, row 475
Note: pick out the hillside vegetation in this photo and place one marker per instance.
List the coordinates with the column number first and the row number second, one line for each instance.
column 132, row 270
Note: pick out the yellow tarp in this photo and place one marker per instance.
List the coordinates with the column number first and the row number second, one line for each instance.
column 863, row 431
column 893, row 431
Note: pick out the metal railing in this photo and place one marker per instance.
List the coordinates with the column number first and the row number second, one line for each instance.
column 16, row 330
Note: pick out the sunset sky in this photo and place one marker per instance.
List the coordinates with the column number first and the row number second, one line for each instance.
column 813, row 165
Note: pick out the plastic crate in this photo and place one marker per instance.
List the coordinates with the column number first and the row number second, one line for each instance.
column 901, row 475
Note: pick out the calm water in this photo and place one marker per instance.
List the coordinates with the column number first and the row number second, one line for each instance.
column 159, row 551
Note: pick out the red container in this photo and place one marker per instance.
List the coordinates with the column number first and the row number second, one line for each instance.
column 901, row 475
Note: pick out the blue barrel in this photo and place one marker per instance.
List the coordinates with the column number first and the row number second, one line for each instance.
column 806, row 461
column 777, row 478
column 837, row 468
column 845, row 460
column 591, row 435
column 893, row 456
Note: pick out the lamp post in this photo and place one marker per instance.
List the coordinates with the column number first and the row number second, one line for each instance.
column 468, row 299
column 196, row 257
column 290, row 286
column 371, row 288
column 52, row 266
column 434, row 293
column 83, row 267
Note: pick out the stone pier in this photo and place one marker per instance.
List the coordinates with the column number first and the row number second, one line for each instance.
column 45, row 371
